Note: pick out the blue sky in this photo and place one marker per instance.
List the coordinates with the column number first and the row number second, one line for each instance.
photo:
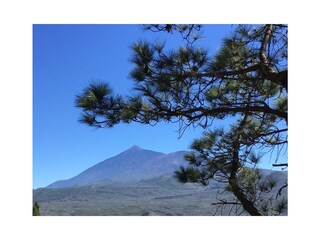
column 65, row 59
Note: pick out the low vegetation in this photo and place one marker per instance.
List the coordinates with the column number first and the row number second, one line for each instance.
column 161, row 196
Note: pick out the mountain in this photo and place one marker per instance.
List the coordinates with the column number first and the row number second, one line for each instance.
column 137, row 164
column 134, row 164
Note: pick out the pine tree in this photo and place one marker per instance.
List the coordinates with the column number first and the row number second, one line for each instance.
column 223, row 156
column 36, row 209
column 246, row 81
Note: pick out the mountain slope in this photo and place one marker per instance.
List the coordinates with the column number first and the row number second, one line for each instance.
column 133, row 164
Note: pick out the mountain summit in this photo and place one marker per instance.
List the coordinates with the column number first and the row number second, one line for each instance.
column 135, row 148
column 134, row 164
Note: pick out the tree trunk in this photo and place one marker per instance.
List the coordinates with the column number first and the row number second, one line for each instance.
column 247, row 205
column 233, row 180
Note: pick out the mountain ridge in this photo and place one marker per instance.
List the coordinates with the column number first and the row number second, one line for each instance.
column 133, row 164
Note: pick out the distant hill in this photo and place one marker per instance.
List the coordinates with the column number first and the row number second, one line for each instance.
column 134, row 164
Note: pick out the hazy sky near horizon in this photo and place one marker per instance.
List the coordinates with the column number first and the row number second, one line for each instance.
column 65, row 59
